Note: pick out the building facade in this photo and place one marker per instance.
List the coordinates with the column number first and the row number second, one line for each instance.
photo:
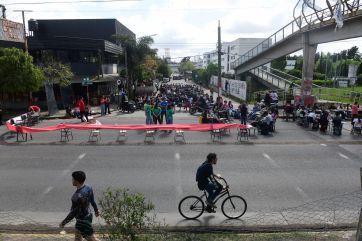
column 87, row 46
column 230, row 52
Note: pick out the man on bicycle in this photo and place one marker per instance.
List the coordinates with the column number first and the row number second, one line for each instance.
column 205, row 180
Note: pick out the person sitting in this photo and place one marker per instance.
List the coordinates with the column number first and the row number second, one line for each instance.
column 289, row 110
column 337, row 124
column 34, row 109
column 357, row 125
column 323, row 121
column 265, row 123
column 311, row 116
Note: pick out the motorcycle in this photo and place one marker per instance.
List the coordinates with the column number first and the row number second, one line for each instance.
column 129, row 106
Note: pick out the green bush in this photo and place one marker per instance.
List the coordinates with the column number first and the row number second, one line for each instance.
column 318, row 76
column 323, row 83
column 295, row 72
column 125, row 214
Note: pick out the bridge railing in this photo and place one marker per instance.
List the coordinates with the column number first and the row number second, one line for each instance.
column 288, row 77
column 272, row 78
column 299, row 24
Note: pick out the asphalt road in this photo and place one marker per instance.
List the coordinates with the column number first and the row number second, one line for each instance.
column 35, row 180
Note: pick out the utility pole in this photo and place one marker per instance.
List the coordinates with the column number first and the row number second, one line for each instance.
column 23, row 14
column 219, row 60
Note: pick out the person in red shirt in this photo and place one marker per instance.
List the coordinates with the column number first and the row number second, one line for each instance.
column 34, row 108
column 354, row 113
column 82, row 111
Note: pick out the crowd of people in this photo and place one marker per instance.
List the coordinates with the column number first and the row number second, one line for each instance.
column 320, row 116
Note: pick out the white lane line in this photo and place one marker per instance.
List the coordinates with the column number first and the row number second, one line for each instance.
column 179, row 190
column 73, row 164
column 301, row 192
column 272, row 162
column 343, row 156
column 47, row 190
column 323, row 145
column 81, row 156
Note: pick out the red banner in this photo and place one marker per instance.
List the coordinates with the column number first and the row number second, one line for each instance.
column 168, row 127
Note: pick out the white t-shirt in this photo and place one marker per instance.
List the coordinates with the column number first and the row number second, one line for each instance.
column 356, row 123
column 312, row 114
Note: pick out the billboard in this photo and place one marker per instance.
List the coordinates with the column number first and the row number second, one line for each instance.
column 236, row 88
column 11, row 31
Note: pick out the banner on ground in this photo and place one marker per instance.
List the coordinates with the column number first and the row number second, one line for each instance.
column 236, row 88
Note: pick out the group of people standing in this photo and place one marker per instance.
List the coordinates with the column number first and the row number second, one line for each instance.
column 157, row 109
column 104, row 104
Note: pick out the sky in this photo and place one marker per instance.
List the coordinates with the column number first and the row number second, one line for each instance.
column 186, row 27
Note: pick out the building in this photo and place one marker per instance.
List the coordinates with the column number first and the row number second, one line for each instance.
column 230, row 52
column 87, row 46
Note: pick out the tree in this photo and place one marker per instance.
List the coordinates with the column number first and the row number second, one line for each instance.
column 163, row 69
column 353, row 53
column 134, row 55
column 186, row 66
column 279, row 63
column 18, row 73
column 55, row 73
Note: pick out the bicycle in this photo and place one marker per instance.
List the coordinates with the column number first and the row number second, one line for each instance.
column 233, row 206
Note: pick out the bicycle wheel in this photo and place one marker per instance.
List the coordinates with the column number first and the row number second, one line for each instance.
column 191, row 207
column 233, row 207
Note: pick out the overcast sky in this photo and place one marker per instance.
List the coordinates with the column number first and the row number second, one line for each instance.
column 187, row 27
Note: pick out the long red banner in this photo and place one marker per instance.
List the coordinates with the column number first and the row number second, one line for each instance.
column 184, row 127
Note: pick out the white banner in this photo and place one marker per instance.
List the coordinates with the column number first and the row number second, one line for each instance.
column 234, row 87
column 290, row 64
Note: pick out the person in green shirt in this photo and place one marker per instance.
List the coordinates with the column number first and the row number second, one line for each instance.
column 169, row 115
column 148, row 113
column 156, row 113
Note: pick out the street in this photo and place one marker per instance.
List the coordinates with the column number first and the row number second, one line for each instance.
column 35, row 180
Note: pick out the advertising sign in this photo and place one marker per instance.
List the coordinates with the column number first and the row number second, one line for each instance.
column 11, row 31
column 290, row 64
column 235, row 88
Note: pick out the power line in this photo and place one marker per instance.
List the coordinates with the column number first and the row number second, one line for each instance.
column 76, row 1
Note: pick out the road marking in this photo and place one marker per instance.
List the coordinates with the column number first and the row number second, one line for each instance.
column 323, row 145
column 272, row 162
column 179, row 190
column 81, row 156
column 47, row 190
column 343, row 156
column 301, row 192
column 73, row 164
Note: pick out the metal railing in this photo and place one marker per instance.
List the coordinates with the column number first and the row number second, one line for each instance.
column 290, row 78
column 272, row 78
column 301, row 24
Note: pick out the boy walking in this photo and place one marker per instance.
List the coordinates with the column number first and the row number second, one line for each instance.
column 80, row 209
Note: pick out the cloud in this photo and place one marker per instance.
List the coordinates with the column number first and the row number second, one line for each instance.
column 187, row 27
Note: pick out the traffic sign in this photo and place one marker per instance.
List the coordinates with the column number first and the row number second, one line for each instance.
column 87, row 81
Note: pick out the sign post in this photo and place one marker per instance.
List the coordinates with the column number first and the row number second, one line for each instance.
column 86, row 82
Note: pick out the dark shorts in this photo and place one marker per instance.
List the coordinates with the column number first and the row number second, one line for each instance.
column 84, row 226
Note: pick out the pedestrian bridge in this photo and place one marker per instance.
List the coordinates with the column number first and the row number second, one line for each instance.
column 303, row 33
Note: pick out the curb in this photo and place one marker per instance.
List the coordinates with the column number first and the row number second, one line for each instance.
column 43, row 229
